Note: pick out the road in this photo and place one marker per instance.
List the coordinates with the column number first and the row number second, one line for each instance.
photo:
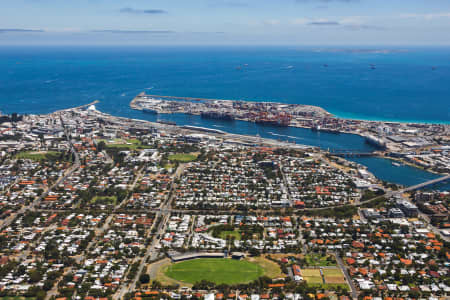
column 347, row 276
column 33, row 205
column 432, row 228
column 163, row 215
column 285, row 187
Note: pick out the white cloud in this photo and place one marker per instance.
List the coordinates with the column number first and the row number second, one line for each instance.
column 349, row 22
column 430, row 16
column 306, row 21
column 271, row 22
column 353, row 20
column 300, row 21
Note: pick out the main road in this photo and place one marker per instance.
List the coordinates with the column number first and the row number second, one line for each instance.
column 347, row 276
column 47, row 190
column 162, row 216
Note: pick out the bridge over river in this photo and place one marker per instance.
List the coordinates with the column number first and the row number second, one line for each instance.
column 354, row 153
column 427, row 183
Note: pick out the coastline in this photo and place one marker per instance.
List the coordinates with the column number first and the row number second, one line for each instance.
column 332, row 114
column 355, row 117
column 249, row 139
column 406, row 163
column 389, row 137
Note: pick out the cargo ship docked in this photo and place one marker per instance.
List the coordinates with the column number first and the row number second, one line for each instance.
column 328, row 130
column 376, row 141
column 280, row 119
column 274, row 122
column 217, row 115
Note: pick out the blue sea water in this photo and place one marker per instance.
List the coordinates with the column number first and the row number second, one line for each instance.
column 402, row 87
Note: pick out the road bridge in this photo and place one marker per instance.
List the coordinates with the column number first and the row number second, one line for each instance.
column 427, row 183
column 354, row 154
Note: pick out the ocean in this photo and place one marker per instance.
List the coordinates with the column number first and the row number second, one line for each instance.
column 402, row 87
column 396, row 84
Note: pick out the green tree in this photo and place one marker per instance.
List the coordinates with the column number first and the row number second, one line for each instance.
column 35, row 276
column 40, row 295
column 144, row 278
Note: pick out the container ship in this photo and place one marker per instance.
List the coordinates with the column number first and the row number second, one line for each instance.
column 217, row 115
column 281, row 119
column 275, row 122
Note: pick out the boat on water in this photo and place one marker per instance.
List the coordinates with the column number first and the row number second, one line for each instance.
column 396, row 164
column 329, row 130
column 166, row 122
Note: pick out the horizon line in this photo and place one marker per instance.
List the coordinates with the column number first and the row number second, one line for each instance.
column 225, row 45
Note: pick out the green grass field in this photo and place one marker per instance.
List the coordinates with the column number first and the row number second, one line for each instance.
column 17, row 298
column 217, row 270
column 317, row 260
column 271, row 269
column 131, row 144
column 169, row 166
column 105, row 200
column 332, row 272
column 334, row 276
column 328, row 286
column 228, row 234
column 312, row 276
column 182, row 157
column 38, row 156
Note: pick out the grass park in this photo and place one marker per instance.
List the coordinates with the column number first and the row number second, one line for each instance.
column 130, row 144
column 332, row 277
column 228, row 234
column 104, row 200
column 312, row 276
column 17, row 298
column 317, row 260
column 39, row 155
column 182, row 157
column 219, row 270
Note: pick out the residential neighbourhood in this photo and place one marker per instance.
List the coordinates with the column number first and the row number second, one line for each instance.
column 98, row 207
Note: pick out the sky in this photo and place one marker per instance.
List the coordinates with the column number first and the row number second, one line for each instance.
column 225, row 22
